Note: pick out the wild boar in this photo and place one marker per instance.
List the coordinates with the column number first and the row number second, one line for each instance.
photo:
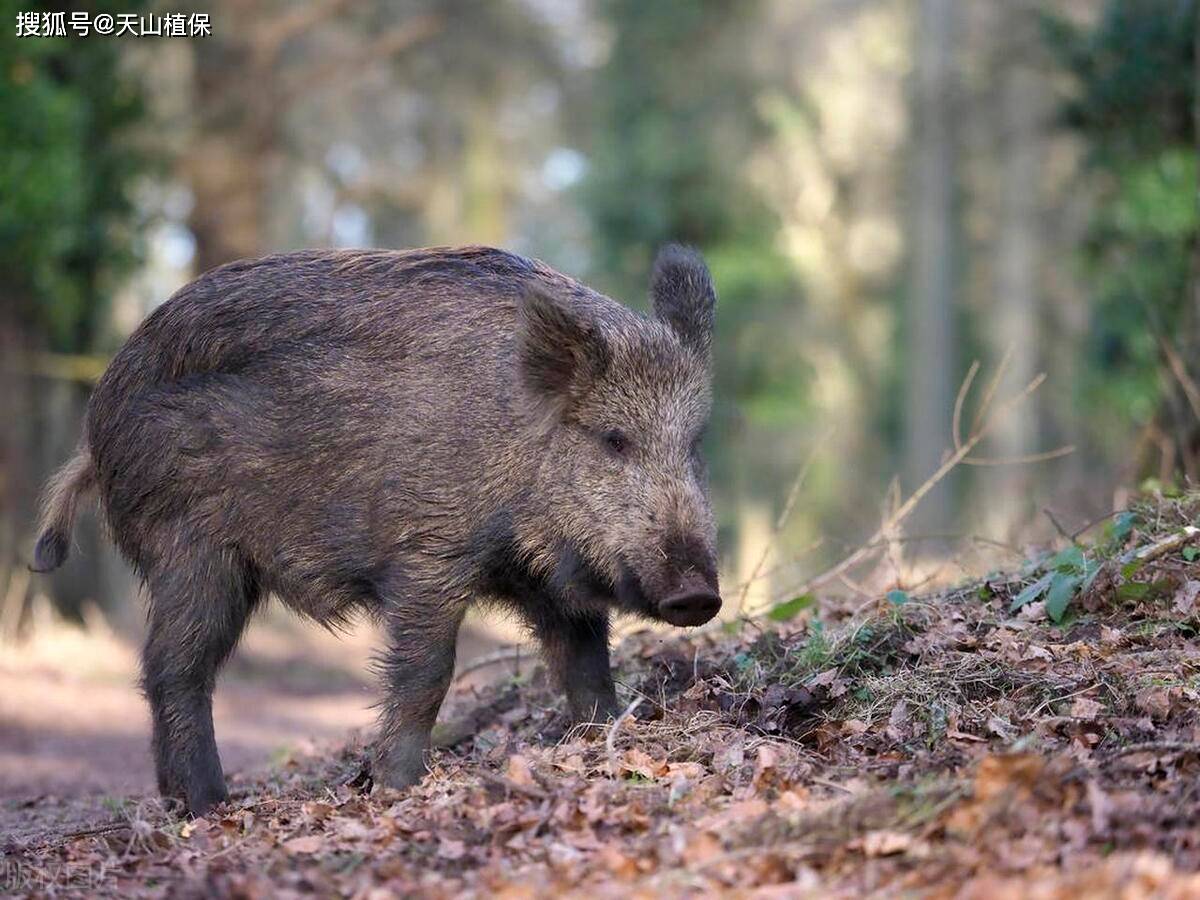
column 404, row 433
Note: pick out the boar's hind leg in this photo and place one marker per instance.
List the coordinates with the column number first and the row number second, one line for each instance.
column 416, row 670
column 198, row 609
column 575, row 647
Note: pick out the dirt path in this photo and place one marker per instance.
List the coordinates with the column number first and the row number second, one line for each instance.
column 74, row 729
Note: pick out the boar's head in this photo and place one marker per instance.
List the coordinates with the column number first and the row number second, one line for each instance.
column 624, row 400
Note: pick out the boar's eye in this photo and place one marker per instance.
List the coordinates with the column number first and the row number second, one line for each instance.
column 615, row 441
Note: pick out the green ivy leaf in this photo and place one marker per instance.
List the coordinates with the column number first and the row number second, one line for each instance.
column 1123, row 524
column 897, row 598
column 1191, row 554
column 789, row 609
column 1058, row 597
column 1032, row 592
column 1133, row 590
column 1069, row 561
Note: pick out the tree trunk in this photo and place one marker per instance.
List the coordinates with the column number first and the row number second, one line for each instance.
column 238, row 128
column 1015, row 317
column 931, row 345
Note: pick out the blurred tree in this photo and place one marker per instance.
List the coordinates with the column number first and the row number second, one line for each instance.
column 675, row 120
column 70, row 159
column 68, row 163
column 239, row 140
column 1008, row 244
column 389, row 110
column 1134, row 101
column 931, row 313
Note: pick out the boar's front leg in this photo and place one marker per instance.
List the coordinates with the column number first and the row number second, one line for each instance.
column 416, row 669
column 575, row 647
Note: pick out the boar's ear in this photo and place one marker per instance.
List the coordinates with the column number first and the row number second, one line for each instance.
column 561, row 349
column 683, row 295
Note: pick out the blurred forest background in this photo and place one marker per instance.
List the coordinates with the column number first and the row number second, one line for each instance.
column 886, row 190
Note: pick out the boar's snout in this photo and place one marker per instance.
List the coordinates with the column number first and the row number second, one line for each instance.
column 693, row 604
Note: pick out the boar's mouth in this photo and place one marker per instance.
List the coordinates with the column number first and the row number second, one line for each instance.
column 574, row 578
column 630, row 593
column 694, row 603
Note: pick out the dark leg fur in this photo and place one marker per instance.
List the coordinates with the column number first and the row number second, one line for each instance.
column 416, row 673
column 199, row 608
column 575, row 647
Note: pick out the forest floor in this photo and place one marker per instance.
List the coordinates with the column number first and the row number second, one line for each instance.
column 1033, row 733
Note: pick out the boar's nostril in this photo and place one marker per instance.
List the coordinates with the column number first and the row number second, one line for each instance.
column 690, row 607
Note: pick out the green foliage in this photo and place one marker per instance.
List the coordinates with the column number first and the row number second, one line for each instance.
column 1071, row 571
column 789, row 609
column 1061, row 578
column 675, row 120
column 1134, row 77
column 676, row 117
column 67, row 220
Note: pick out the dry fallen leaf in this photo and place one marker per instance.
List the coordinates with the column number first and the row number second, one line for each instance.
column 768, row 758
column 639, row 762
column 1186, row 597
column 309, row 843
column 1000, row 774
column 886, row 843
column 1086, row 708
column 519, row 771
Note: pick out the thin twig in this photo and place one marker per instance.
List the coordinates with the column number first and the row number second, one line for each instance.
column 784, row 515
column 963, row 390
column 508, row 654
column 1062, row 532
column 977, row 435
column 832, row 785
column 989, row 392
column 1065, row 450
column 1179, row 370
column 772, row 570
column 1092, row 524
column 611, row 743
column 1155, row 747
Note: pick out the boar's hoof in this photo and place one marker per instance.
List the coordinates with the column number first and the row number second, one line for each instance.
column 201, row 800
column 590, row 717
column 402, row 766
column 399, row 777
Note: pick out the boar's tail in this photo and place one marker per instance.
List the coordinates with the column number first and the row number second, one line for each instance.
column 62, row 495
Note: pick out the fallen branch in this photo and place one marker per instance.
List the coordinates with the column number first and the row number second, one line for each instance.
column 1164, row 546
